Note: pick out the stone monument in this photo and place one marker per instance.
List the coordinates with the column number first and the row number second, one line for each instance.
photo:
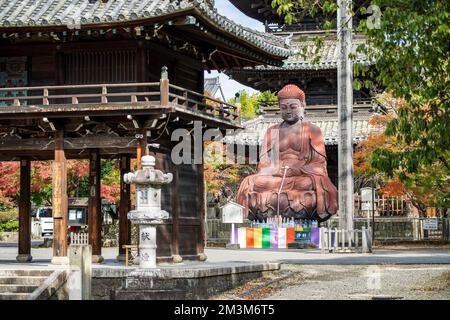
column 148, row 213
column 292, row 179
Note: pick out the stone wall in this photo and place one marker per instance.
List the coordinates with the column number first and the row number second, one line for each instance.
column 9, row 236
column 175, row 283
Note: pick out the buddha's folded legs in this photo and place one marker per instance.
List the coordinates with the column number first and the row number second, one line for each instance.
column 298, row 198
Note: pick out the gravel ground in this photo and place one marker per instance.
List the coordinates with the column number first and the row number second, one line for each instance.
column 348, row 282
column 413, row 282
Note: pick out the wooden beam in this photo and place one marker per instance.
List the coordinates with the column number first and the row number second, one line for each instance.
column 59, row 201
column 24, row 212
column 124, row 207
column 88, row 142
column 95, row 206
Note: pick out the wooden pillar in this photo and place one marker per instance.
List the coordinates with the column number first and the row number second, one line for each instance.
column 176, row 211
column 142, row 148
column 164, row 87
column 95, row 206
column 124, row 207
column 59, row 201
column 202, row 210
column 24, row 212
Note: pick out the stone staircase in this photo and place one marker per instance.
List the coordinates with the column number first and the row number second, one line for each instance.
column 31, row 284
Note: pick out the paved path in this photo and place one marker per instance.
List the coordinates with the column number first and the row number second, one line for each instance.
column 42, row 256
column 379, row 256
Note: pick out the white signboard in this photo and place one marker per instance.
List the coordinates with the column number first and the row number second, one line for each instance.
column 232, row 213
column 366, row 195
column 430, row 224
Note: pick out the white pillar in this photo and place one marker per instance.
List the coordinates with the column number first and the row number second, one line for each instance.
column 345, row 106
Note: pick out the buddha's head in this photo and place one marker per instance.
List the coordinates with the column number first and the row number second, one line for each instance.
column 292, row 101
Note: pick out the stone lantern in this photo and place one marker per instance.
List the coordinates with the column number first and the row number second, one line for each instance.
column 148, row 213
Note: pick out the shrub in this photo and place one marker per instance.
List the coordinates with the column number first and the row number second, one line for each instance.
column 9, row 226
column 8, row 215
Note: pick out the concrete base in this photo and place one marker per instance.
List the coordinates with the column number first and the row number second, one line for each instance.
column 233, row 246
column 62, row 260
column 96, row 258
column 177, row 258
column 188, row 281
column 202, row 257
column 24, row 257
column 120, row 257
column 296, row 245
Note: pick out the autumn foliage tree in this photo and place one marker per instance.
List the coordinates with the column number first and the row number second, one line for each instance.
column 41, row 182
column 427, row 186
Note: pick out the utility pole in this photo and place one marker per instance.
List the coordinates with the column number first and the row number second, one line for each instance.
column 345, row 114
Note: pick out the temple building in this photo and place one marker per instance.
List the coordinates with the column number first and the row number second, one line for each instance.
column 313, row 69
column 113, row 79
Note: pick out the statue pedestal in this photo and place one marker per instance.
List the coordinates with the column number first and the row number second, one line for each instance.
column 147, row 222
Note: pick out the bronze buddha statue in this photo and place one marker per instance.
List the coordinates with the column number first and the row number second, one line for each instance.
column 292, row 178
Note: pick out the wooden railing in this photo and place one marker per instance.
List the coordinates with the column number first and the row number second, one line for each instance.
column 196, row 101
column 162, row 93
column 77, row 94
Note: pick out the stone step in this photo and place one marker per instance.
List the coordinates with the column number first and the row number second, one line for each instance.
column 14, row 288
column 14, row 296
column 29, row 272
column 26, row 280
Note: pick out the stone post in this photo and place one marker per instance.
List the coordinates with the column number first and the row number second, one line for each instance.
column 80, row 278
column 148, row 213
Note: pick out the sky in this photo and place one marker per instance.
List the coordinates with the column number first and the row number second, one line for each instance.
column 225, row 8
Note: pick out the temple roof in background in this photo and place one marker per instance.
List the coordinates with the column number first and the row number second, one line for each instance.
column 212, row 85
column 304, row 53
column 37, row 15
column 325, row 117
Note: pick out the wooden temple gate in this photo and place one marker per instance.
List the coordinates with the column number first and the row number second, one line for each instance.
column 144, row 113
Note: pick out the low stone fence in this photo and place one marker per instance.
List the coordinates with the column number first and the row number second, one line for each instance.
column 9, row 236
column 401, row 229
column 390, row 229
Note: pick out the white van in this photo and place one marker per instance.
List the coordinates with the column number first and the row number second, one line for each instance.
column 43, row 215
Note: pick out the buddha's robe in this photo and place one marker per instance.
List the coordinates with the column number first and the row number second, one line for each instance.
column 305, row 183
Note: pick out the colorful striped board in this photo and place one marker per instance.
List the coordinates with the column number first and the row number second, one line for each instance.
column 250, row 237
column 265, row 238
column 282, row 238
column 275, row 238
column 257, row 238
column 242, row 237
column 290, row 235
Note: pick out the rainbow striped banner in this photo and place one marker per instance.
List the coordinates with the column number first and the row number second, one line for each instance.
column 265, row 238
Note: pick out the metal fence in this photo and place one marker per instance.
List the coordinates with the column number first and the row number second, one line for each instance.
column 335, row 240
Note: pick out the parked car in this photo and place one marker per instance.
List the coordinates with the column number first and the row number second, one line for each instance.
column 43, row 215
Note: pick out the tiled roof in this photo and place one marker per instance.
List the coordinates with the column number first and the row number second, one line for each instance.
column 328, row 56
column 255, row 129
column 47, row 13
column 212, row 85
